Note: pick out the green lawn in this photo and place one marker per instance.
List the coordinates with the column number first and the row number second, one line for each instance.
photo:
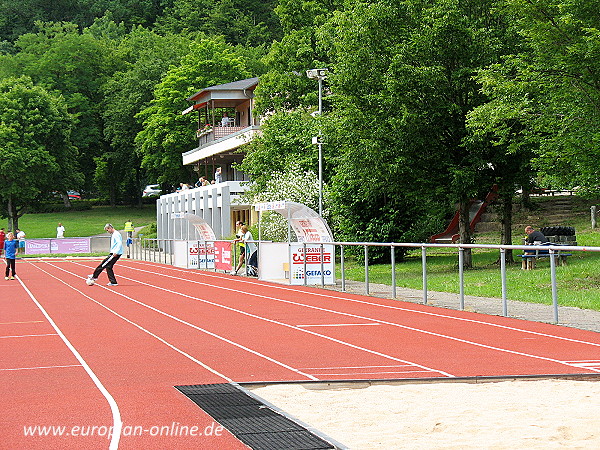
column 85, row 223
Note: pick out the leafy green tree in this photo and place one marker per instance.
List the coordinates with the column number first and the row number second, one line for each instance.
column 551, row 87
column 147, row 57
column 285, row 85
column 243, row 22
column 61, row 59
column 18, row 18
column 285, row 142
column 167, row 133
column 37, row 155
column 403, row 87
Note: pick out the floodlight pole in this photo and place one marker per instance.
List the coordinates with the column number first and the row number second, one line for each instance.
column 319, row 75
column 320, row 150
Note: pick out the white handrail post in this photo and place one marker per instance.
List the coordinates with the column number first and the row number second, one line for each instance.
column 424, row 265
column 554, row 289
column 461, row 276
column 503, row 275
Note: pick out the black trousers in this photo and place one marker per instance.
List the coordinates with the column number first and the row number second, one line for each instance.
column 107, row 264
column 10, row 264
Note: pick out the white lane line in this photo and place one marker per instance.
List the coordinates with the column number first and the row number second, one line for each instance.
column 355, row 316
column 28, row 335
column 594, row 361
column 338, row 325
column 15, row 323
column 254, row 352
column 586, row 364
column 116, row 415
column 338, row 341
column 324, row 375
column 340, row 297
column 43, row 367
column 356, row 367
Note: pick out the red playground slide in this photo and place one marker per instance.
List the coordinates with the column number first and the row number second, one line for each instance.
column 476, row 210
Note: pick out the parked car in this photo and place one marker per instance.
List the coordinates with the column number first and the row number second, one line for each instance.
column 152, row 190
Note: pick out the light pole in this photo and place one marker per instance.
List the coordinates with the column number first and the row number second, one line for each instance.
column 319, row 75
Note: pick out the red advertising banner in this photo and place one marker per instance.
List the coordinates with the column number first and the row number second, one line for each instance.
column 223, row 255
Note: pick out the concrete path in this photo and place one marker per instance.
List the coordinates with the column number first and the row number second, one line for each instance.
column 567, row 315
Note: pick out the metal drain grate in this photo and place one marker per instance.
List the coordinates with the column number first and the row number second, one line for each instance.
column 250, row 420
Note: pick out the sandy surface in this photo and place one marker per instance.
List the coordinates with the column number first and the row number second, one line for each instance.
column 532, row 414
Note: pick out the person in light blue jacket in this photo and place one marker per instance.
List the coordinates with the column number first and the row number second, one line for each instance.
column 116, row 250
column 10, row 253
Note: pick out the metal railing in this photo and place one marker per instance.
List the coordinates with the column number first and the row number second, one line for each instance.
column 150, row 248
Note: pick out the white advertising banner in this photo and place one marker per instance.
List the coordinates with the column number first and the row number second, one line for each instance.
column 313, row 264
column 194, row 255
column 270, row 206
column 201, row 255
column 310, row 229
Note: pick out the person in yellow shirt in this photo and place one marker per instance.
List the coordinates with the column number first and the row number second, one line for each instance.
column 129, row 229
column 239, row 240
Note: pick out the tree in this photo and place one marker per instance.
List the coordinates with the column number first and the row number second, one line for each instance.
column 37, row 154
column 241, row 22
column 18, row 18
column 285, row 85
column 556, row 75
column 61, row 59
column 403, row 84
column 147, row 57
column 285, row 142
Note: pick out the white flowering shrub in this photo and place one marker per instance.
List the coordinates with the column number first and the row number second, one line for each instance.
column 294, row 185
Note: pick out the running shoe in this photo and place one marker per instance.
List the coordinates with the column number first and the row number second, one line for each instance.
column 112, row 284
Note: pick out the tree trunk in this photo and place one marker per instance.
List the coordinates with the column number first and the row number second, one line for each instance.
column 112, row 193
column 464, row 230
column 65, row 199
column 506, row 210
column 138, row 183
column 13, row 217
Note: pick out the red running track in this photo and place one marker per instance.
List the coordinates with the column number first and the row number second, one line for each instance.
column 88, row 360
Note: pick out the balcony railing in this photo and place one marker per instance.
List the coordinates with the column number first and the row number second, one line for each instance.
column 207, row 135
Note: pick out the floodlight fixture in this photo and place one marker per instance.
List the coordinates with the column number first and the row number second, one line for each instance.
column 317, row 74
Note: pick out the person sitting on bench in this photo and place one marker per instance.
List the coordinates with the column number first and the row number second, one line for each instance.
column 534, row 236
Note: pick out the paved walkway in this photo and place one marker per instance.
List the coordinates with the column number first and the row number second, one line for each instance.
column 568, row 316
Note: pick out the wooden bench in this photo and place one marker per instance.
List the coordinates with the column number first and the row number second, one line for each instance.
column 529, row 258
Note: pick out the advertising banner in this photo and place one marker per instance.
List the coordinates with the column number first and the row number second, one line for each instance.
column 200, row 256
column 64, row 246
column 270, row 206
column 37, row 246
column 310, row 229
column 313, row 264
column 71, row 245
column 223, row 256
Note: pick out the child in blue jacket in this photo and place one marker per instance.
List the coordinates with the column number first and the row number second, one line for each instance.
column 10, row 253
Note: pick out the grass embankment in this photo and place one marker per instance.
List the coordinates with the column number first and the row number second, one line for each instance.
column 578, row 283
